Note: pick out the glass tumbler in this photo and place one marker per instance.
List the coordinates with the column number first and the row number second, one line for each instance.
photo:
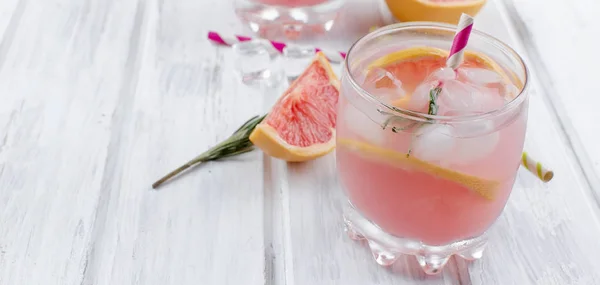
column 420, row 184
column 270, row 18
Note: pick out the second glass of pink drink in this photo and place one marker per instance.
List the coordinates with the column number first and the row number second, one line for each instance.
column 422, row 184
column 269, row 18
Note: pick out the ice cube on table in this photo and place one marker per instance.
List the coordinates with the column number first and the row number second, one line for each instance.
column 296, row 59
column 256, row 63
column 479, row 76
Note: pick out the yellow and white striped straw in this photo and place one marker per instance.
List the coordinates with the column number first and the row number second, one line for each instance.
column 536, row 168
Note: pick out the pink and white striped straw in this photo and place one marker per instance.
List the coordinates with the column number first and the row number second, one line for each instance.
column 456, row 57
column 461, row 38
column 279, row 46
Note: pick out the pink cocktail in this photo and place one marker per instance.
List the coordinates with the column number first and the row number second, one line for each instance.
column 291, row 3
column 424, row 176
column 290, row 18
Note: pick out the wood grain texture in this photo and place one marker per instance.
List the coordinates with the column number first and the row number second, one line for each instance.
column 62, row 66
column 206, row 228
column 560, row 40
column 102, row 97
column 545, row 235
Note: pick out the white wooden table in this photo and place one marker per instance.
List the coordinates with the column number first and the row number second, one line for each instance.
column 98, row 98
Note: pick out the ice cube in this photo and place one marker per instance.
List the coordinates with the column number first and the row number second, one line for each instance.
column 256, row 63
column 433, row 143
column 479, row 76
column 383, row 85
column 466, row 98
column 418, row 101
column 448, row 145
column 361, row 125
column 475, row 148
column 442, row 74
column 296, row 59
column 510, row 92
column 470, row 129
column 475, row 140
column 389, row 95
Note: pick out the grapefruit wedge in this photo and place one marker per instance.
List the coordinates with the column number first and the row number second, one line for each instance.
column 446, row 11
column 301, row 124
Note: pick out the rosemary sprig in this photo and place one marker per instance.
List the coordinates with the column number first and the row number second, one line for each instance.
column 433, row 95
column 238, row 143
column 433, row 109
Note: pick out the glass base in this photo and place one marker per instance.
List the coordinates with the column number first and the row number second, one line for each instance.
column 269, row 21
column 386, row 248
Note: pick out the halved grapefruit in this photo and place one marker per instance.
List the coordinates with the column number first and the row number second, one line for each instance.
column 301, row 124
column 447, row 11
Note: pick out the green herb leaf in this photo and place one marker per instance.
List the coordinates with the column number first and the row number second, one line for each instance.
column 238, row 143
column 433, row 95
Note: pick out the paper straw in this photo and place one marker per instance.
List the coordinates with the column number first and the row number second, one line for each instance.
column 455, row 59
column 279, row 46
column 536, row 168
column 461, row 38
column 456, row 55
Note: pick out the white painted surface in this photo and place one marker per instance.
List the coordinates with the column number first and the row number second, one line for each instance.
column 101, row 97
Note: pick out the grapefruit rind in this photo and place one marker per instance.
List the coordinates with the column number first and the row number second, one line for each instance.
column 267, row 139
column 406, row 54
column 423, row 51
column 486, row 188
column 270, row 142
column 423, row 10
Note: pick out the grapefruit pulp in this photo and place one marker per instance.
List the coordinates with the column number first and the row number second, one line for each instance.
column 301, row 124
column 413, row 65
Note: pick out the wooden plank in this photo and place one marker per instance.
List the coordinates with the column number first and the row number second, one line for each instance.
column 563, row 52
column 62, row 63
column 105, row 96
column 548, row 232
column 545, row 235
column 207, row 227
column 11, row 12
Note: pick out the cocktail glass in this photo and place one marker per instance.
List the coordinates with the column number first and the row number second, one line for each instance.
column 270, row 18
column 428, row 185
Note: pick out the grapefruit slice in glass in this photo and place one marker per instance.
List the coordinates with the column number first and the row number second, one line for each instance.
column 413, row 65
column 301, row 124
column 486, row 188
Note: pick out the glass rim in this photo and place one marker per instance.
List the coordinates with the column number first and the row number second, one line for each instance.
column 418, row 116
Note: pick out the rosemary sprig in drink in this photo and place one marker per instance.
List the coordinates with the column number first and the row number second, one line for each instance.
column 433, row 109
column 236, row 144
column 433, row 95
